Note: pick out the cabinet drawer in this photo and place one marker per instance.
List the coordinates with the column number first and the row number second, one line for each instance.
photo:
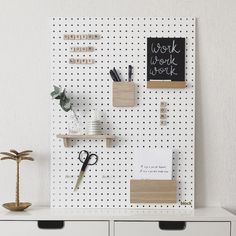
column 70, row 228
column 190, row 229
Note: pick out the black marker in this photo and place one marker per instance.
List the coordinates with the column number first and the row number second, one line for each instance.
column 116, row 74
column 130, row 72
column 113, row 76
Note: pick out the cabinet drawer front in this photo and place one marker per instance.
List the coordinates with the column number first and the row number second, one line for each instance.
column 71, row 228
column 191, row 229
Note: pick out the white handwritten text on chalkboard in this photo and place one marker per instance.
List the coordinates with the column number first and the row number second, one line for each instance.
column 166, row 59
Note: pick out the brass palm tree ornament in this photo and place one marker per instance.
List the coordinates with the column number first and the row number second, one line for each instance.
column 18, row 157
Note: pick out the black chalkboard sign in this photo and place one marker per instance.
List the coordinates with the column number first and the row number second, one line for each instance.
column 166, row 59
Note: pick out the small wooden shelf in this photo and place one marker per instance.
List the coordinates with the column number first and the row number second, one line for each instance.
column 166, row 84
column 67, row 137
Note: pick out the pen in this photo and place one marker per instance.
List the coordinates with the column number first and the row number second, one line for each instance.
column 116, row 74
column 130, row 72
column 113, row 76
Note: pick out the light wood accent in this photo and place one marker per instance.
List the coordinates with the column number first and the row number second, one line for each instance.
column 152, row 191
column 67, row 137
column 81, row 36
column 66, row 142
column 166, row 84
column 81, row 61
column 123, row 94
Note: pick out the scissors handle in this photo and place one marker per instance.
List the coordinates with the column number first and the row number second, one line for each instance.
column 86, row 162
column 92, row 157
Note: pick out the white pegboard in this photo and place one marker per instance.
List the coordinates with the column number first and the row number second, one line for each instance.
column 123, row 42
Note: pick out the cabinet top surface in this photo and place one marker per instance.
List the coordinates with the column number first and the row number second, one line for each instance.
column 46, row 213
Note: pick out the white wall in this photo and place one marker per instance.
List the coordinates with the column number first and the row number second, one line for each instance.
column 25, row 87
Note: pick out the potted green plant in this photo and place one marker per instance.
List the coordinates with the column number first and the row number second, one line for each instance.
column 66, row 106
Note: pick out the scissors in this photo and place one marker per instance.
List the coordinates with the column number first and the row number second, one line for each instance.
column 85, row 158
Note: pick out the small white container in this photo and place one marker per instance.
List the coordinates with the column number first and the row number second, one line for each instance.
column 94, row 124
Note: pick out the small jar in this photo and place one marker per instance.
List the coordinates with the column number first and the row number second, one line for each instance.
column 94, row 124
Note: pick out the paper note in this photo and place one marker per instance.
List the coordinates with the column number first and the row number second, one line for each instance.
column 153, row 164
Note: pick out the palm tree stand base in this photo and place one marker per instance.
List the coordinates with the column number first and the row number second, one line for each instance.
column 12, row 206
column 18, row 157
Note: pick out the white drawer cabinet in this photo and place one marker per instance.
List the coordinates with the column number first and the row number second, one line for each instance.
column 70, row 228
column 153, row 229
column 117, row 222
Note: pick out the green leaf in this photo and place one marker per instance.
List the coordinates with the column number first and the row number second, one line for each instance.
column 65, row 102
column 56, row 93
column 57, row 89
column 65, row 106
column 61, row 95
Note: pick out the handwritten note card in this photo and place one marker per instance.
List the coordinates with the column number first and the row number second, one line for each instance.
column 166, row 59
column 153, row 164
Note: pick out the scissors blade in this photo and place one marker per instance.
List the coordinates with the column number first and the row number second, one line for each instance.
column 80, row 177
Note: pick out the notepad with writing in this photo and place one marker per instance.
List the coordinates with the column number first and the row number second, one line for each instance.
column 153, row 164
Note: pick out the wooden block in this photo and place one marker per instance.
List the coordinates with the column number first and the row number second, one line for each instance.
column 90, row 61
column 123, row 94
column 152, row 191
column 77, row 37
column 163, row 116
column 83, row 36
column 71, row 36
column 163, row 122
column 166, row 84
column 72, row 61
column 66, row 37
column 77, row 49
column 163, row 104
column 83, row 49
column 96, row 36
column 163, row 110
column 78, row 61
column 83, row 61
column 90, row 49
column 90, row 36
column 72, row 49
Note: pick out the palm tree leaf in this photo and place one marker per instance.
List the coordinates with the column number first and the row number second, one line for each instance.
column 8, row 154
column 27, row 158
column 8, row 158
column 14, row 151
column 26, row 151
column 23, row 154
